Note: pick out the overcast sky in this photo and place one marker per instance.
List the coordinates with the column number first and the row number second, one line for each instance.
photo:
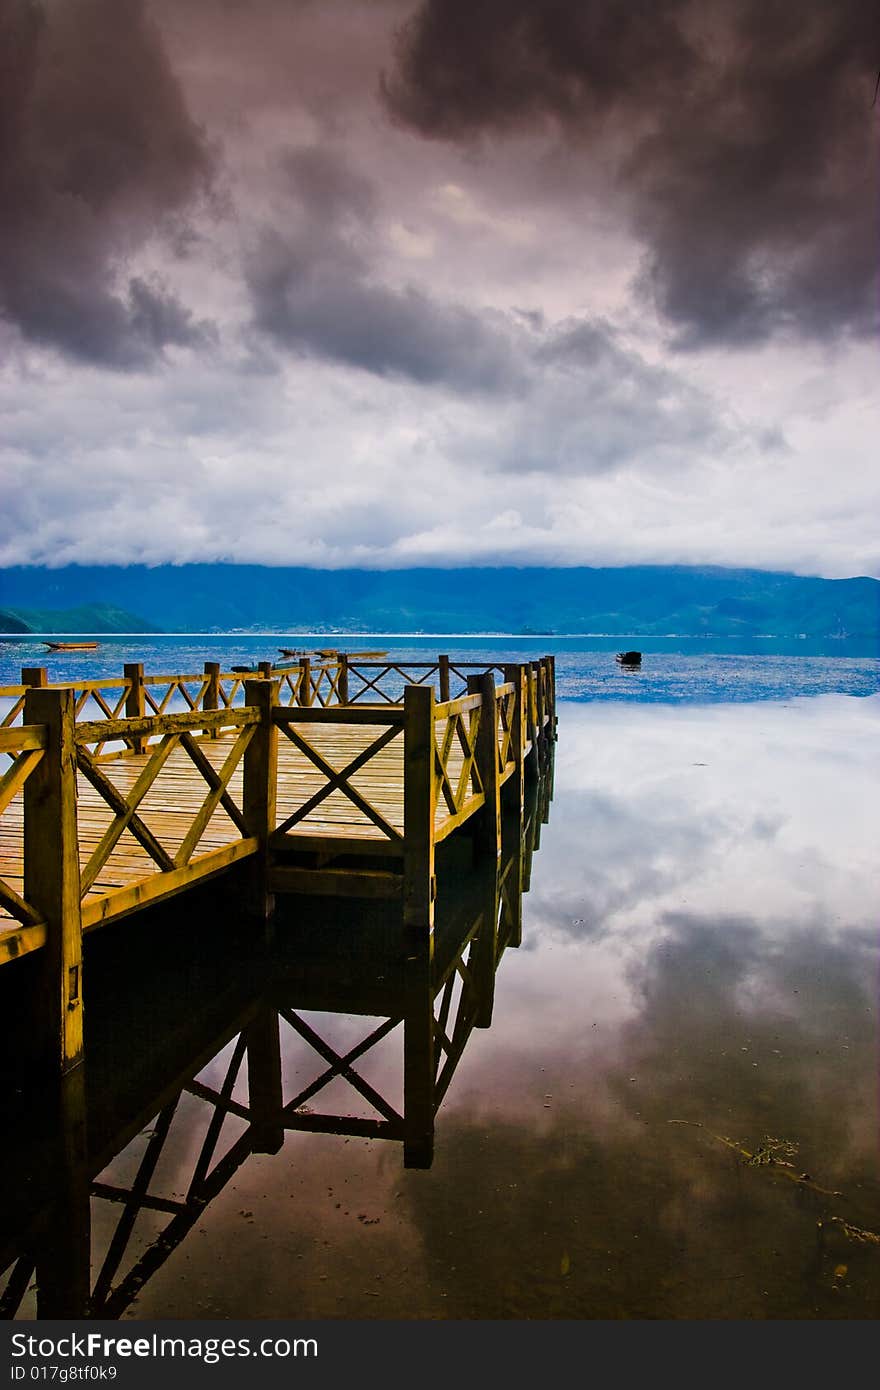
column 384, row 283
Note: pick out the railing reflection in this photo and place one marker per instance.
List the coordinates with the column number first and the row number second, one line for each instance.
column 211, row 1061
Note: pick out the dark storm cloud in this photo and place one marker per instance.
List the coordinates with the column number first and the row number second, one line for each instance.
column 584, row 402
column 741, row 133
column 97, row 154
column 314, row 291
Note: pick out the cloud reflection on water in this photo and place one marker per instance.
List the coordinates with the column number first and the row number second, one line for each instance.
column 698, row 972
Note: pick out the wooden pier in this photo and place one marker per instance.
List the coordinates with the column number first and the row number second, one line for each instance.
column 337, row 778
column 153, row 1079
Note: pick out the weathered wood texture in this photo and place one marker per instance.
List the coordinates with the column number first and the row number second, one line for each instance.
column 50, row 878
column 198, row 797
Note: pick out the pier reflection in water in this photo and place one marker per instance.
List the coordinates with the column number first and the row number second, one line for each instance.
column 674, row 1114
column 204, row 1061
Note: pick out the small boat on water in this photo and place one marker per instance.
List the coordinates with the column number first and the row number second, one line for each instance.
column 330, row 653
column 71, row 646
column 629, row 658
column 279, row 666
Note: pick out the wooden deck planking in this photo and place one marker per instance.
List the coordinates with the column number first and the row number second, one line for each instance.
column 171, row 804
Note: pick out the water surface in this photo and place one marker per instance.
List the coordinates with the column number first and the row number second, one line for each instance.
column 674, row 1113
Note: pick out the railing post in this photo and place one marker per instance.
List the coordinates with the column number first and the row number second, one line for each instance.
column 418, row 925
column 484, row 957
column 259, row 792
column 34, row 676
column 264, row 669
column 135, row 704
column 342, row 679
column 531, row 766
column 514, row 894
column 514, row 675
column 487, row 822
column 443, row 673
column 531, row 833
column 264, row 1082
column 51, row 868
column 211, row 700
column 541, row 710
column 551, row 672
column 304, row 693
column 64, row 1245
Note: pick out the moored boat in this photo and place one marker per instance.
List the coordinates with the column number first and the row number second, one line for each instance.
column 71, row 646
column 328, row 654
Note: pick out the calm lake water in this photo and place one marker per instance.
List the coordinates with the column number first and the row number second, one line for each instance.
column 693, row 670
column 674, row 1112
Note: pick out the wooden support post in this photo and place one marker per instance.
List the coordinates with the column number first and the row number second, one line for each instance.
column 531, row 765
column 211, row 700
column 530, row 824
column 264, row 1082
column 485, row 952
column 418, row 925
column 51, row 869
column 264, row 669
column 34, row 676
column 342, row 679
column 305, row 694
column 551, row 671
column 135, row 705
column 443, row 673
column 514, row 895
column 514, row 675
column 63, row 1252
column 541, row 713
column 487, row 822
column 259, row 793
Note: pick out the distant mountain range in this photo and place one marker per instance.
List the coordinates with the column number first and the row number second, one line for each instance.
column 88, row 617
column 651, row 600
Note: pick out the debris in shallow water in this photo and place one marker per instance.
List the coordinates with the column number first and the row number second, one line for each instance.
column 766, row 1155
column 856, row 1232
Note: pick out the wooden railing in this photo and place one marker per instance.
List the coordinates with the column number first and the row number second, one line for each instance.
column 89, row 832
column 22, row 750
column 361, row 806
column 307, row 684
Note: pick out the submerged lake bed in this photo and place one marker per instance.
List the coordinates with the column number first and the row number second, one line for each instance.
column 674, row 1112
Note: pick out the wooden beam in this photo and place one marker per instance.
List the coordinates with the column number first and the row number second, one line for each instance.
column 211, row 699
column 63, row 1252
column 305, row 693
column 380, row 715
column 342, row 680
column 418, row 923
column 264, row 1082
column 443, row 673
column 316, row 843
column 51, row 870
column 20, row 739
column 342, row 883
column 514, row 675
column 108, row 907
column 133, row 671
column 260, row 788
column 487, row 824
column 20, row 940
column 153, row 725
